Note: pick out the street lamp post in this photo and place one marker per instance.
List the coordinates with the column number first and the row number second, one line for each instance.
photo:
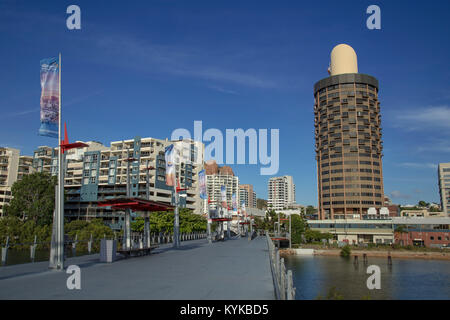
column 147, row 218
column 57, row 245
column 176, row 222
column 209, row 223
column 127, row 227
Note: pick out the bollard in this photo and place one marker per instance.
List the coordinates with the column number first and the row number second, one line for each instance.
column 74, row 246
column 141, row 243
column 355, row 260
column 33, row 249
column 5, row 252
column 389, row 260
column 90, row 245
column 365, row 258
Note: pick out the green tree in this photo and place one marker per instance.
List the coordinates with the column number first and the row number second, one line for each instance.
column 423, row 204
column 20, row 231
column 33, row 198
column 299, row 227
column 314, row 235
column 163, row 222
column 270, row 219
column 310, row 210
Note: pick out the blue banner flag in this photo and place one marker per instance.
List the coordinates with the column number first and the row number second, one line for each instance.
column 202, row 184
column 233, row 200
column 49, row 97
column 223, row 192
column 170, row 166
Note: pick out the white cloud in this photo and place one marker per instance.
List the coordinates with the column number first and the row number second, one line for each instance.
column 399, row 194
column 427, row 165
column 177, row 60
column 432, row 117
column 436, row 145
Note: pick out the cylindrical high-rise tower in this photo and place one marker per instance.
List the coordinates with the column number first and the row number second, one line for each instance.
column 348, row 139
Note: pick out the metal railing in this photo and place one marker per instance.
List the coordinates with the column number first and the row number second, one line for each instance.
column 282, row 280
column 92, row 245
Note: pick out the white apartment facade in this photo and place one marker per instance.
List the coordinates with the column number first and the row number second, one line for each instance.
column 444, row 186
column 102, row 174
column 214, row 182
column 13, row 167
column 281, row 192
column 247, row 195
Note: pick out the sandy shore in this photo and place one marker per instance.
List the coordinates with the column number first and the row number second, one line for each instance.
column 378, row 253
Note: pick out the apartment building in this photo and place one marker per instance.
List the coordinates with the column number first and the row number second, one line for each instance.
column 444, row 186
column 247, row 195
column 25, row 167
column 281, row 192
column 348, row 139
column 13, row 167
column 9, row 166
column 45, row 159
column 102, row 174
column 216, row 177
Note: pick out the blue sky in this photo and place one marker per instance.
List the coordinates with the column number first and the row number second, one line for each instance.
column 232, row 64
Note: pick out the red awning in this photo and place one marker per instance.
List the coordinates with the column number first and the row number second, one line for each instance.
column 134, row 204
column 221, row 219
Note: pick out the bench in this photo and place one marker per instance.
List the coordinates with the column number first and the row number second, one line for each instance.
column 136, row 251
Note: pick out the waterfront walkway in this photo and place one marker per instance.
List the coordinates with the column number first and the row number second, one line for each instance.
column 231, row 270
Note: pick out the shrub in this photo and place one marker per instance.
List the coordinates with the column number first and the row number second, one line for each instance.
column 346, row 251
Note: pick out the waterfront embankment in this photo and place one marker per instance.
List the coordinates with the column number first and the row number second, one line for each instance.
column 400, row 254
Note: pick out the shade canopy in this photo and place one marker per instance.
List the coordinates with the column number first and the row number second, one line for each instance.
column 134, row 204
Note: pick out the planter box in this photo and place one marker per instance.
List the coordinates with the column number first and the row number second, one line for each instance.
column 108, row 249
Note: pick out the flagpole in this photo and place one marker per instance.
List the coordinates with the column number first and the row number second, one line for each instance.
column 60, row 215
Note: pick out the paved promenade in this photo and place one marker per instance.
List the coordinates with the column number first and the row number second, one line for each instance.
column 231, row 270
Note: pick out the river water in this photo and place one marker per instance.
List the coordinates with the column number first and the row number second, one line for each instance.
column 406, row 279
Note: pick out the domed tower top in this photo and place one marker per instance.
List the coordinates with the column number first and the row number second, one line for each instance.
column 343, row 60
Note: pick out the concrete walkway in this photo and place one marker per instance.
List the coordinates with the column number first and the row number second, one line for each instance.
column 231, row 270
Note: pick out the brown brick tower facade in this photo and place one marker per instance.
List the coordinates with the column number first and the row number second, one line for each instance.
column 348, row 144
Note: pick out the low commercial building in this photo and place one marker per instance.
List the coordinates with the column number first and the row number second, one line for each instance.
column 428, row 232
column 421, row 213
column 354, row 231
